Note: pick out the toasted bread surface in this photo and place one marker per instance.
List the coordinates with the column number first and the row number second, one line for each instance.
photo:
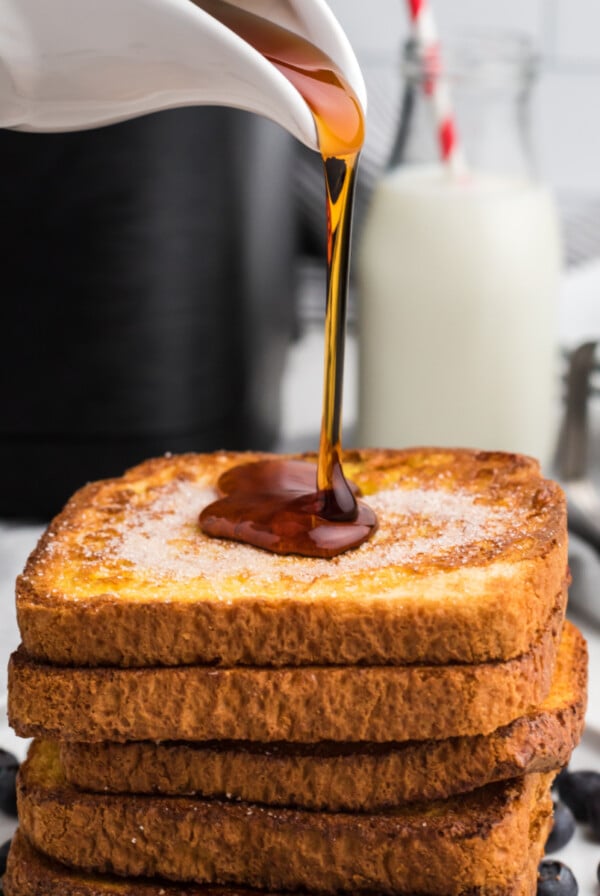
column 334, row 777
column 470, row 553
column 30, row 873
column 438, row 847
column 295, row 703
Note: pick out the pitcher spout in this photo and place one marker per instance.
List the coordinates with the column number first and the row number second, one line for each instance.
column 71, row 66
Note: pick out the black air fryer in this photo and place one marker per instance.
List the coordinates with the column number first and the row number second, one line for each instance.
column 147, row 296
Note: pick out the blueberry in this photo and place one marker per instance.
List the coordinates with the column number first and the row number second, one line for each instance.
column 594, row 813
column 9, row 766
column 3, row 856
column 576, row 790
column 555, row 879
column 562, row 829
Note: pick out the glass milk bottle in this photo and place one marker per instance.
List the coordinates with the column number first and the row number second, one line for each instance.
column 458, row 275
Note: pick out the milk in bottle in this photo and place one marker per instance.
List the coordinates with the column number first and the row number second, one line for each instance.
column 458, row 279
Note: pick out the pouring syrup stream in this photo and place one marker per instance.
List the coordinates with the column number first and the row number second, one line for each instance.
column 291, row 506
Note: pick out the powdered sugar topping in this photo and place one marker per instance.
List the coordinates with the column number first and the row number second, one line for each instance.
column 163, row 540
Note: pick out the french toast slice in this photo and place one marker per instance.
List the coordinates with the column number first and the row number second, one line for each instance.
column 296, row 703
column 479, row 839
column 348, row 777
column 470, row 553
column 30, row 873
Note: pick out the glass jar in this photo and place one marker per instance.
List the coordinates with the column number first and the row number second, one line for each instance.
column 458, row 275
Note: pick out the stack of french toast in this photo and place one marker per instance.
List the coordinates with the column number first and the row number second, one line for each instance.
column 210, row 718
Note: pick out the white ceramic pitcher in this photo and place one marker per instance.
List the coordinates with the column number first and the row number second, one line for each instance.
column 75, row 64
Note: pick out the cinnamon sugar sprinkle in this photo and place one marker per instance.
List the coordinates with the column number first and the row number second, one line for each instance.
column 163, row 540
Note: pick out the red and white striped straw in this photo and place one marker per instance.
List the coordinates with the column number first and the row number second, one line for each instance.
column 435, row 84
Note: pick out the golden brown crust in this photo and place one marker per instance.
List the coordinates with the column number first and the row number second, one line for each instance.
column 438, row 847
column 30, row 873
column 463, row 568
column 365, row 777
column 305, row 704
